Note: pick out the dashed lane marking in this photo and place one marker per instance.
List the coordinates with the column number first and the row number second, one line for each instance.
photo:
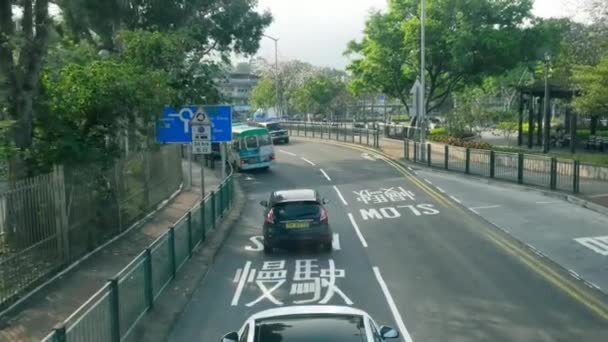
column 340, row 195
column 354, row 223
column 308, row 161
column 392, row 306
column 288, row 153
column 325, row 174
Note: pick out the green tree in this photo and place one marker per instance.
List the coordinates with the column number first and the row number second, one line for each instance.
column 263, row 94
column 593, row 83
column 466, row 40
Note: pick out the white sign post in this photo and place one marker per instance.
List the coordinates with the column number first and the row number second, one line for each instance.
column 201, row 140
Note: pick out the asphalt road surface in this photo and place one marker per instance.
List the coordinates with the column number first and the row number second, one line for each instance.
column 407, row 255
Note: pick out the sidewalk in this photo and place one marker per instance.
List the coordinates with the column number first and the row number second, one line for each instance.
column 36, row 316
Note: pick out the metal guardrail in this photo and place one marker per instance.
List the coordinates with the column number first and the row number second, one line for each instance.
column 541, row 171
column 112, row 312
column 547, row 172
column 363, row 136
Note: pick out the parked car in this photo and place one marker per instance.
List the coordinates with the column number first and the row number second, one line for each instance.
column 315, row 323
column 293, row 217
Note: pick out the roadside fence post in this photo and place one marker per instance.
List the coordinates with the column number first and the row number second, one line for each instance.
column 492, row 164
column 553, row 181
column 446, row 155
column 59, row 334
column 576, row 179
column 428, row 154
column 213, row 209
column 149, row 291
column 172, row 251
column 467, row 164
column 406, row 149
column 520, row 168
column 305, row 130
column 203, row 226
column 415, row 152
column 115, row 310
column 190, row 244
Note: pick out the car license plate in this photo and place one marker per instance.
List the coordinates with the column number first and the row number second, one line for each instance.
column 253, row 160
column 295, row 225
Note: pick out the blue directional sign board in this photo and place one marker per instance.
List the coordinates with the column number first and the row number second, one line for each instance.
column 174, row 127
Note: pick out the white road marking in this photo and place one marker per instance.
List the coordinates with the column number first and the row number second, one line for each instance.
column 308, row 161
column 368, row 157
column 287, row 152
column 546, row 202
column 354, row 223
column 598, row 244
column 340, row 195
column 335, row 242
column 241, row 285
column 474, row 209
column 574, row 274
column 440, row 189
column 428, row 181
column 392, row 306
column 409, row 168
column 456, row 199
column 237, row 275
column 325, row 174
column 598, row 196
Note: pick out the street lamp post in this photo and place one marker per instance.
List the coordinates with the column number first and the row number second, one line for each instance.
column 547, row 109
column 276, row 69
column 422, row 66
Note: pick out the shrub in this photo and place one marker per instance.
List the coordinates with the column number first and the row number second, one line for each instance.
column 453, row 141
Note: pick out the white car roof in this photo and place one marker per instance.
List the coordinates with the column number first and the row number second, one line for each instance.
column 308, row 309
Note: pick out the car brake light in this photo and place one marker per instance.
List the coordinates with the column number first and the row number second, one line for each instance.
column 323, row 215
column 243, row 162
column 270, row 216
column 272, row 157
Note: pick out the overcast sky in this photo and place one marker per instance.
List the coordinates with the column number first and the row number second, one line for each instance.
column 317, row 31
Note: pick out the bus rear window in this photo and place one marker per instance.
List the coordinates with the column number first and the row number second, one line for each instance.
column 251, row 142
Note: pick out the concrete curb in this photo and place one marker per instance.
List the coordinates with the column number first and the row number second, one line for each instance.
column 158, row 323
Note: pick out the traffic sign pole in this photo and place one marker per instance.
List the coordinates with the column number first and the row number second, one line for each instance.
column 223, row 154
column 202, row 178
column 190, row 179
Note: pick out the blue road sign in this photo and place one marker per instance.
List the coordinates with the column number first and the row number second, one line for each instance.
column 174, row 127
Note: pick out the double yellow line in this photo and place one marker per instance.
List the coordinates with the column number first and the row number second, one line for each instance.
column 575, row 289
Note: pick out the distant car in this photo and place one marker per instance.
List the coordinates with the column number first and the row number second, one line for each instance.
column 277, row 132
column 293, row 217
column 315, row 323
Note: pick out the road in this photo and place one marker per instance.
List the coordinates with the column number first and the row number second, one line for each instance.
column 409, row 256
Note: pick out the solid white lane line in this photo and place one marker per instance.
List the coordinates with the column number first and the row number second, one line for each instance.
column 287, row 152
column 456, row 199
column 325, row 174
column 486, row 207
column 340, row 195
column 546, row 202
column 354, row 223
column 440, row 189
column 308, row 161
column 428, row 181
column 336, row 242
column 391, row 304
column 241, row 285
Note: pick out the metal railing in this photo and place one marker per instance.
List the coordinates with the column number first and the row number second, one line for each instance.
column 541, row 171
column 364, row 136
column 111, row 314
column 49, row 221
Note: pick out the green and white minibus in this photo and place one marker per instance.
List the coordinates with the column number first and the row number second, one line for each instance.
column 251, row 148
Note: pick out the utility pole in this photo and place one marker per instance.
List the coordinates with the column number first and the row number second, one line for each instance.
column 422, row 66
column 276, row 71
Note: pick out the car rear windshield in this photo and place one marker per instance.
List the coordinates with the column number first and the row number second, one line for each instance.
column 297, row 210
column 274, row 127
column 307, row 328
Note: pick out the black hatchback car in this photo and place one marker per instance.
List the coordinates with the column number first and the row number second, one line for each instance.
column 293, row 217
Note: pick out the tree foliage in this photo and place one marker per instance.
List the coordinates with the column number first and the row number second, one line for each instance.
column 466, row 40
column 263, row 94
column 593, row 83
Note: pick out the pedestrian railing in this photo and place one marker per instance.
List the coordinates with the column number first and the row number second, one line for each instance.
column 112, row 313
column 339, row 132
column 541, row 171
